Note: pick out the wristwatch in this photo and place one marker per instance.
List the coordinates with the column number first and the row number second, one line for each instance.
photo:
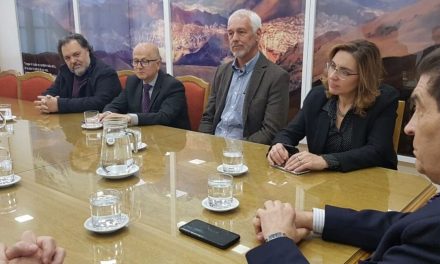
column 275, row 235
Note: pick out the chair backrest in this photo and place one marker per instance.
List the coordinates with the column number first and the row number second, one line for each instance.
column 196, row 92
column 123, row 75
column 32, row 84
column 9, row 84
column 398, row 124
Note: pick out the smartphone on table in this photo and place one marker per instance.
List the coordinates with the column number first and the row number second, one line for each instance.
column 292, row 150
column 292, row 172
column 210, row 234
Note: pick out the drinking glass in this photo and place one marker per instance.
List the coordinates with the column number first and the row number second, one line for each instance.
column 91, row 118
column 108, row 251
column 6, row 170
column 220, row 190
column 7, row 130
column 5, row 110
column 232, row 160
column 105, row 207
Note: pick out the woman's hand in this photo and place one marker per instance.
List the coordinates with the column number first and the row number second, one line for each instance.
column 305, row 160
column 277, row 155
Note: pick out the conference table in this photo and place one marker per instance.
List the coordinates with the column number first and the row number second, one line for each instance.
column 57, row 161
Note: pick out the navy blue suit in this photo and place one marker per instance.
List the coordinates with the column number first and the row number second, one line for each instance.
column 167, row 107
column 395, row 237
column 372, row 136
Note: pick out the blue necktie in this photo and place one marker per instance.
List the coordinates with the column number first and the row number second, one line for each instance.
column 146, row 97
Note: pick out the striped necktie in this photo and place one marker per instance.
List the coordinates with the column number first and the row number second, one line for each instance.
column 146, row 97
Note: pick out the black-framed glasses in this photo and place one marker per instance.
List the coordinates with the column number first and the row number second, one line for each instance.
column 143, row 62
column 343, row 74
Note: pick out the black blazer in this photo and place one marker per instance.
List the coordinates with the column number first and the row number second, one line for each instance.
column 101, row 87
column 395, row 237
column 167, row 107
column 372, row 138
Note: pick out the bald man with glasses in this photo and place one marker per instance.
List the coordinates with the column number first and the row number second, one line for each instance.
column 151, row 97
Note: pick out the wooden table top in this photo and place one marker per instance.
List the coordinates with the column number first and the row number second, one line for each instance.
column 57, row 161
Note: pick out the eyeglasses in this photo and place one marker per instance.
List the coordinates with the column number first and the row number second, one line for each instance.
column 343, row 74
column 143, row 62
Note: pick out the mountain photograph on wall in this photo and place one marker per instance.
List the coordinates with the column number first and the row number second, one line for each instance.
column 40, row 24
column 114, row 27
column 200, row 41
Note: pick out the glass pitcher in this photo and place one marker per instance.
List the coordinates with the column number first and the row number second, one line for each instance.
column 116, row 147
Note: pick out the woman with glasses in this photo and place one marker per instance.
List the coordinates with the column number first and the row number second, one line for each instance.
column 348, row 121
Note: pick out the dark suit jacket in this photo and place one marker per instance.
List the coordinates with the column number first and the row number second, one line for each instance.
column 395, row 237
column 167, row 106
column 372, row 138
column 101, row 87
column 266, row 102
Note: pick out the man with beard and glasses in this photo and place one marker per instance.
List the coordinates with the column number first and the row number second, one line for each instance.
column 83, row 82
column 249, row 96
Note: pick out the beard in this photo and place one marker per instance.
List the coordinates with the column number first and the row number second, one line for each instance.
column 244, row 51
column 79, row 71
column 241, row 53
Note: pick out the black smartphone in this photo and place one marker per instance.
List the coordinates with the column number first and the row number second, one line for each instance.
column 291, row 149
column 210, row 234
column 293, row 172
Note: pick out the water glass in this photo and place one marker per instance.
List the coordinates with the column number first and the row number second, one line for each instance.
column 232, row 160
column 108, row 251
column 6, row 170
column 5, row 110
column 7, row 130
column 91, row 118
column 105, row 207
column 220, row 190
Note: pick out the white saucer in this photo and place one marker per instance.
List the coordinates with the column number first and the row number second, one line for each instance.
column 16, row 179
column 141, row 146
column 205, row 203
column 134, row 168
column 91, row 127
column 10, row 118
column 244, row 169
column 88, row 225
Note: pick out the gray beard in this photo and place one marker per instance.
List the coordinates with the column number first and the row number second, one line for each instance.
column 79, row 73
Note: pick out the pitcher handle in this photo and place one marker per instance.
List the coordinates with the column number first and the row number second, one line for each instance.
column 135, row 144
column 3, row 124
